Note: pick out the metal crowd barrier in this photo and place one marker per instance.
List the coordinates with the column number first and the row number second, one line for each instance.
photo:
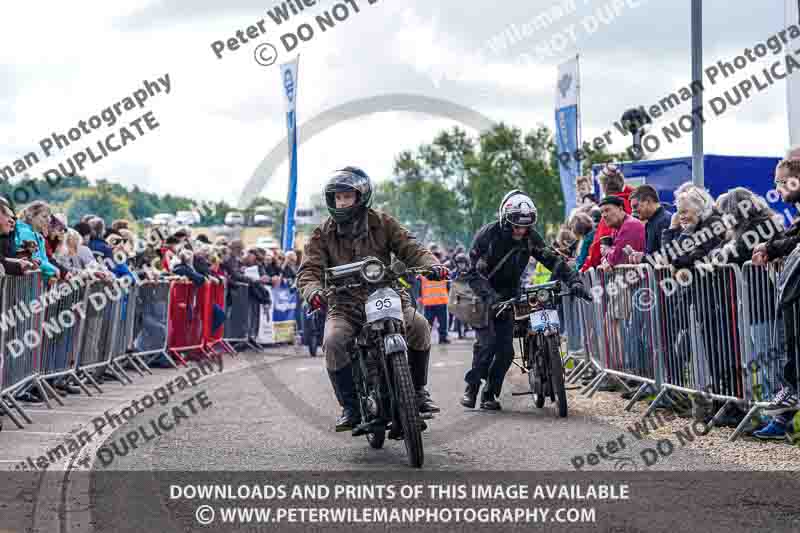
column 586, row 321
column 717, row 335
column 61, row 335
column 215, row 296
column 124, row 352
column 571, row 324
column 768, row 333
column 20, row 359
column 627, row 341
column 87, row 327
column 702, row 326
column 766, row 352
column 191, row 319
column 149, row 335
column 186, row 320
column 255, row 311
column 261, row 324
column 103, row 308
column 238, row 314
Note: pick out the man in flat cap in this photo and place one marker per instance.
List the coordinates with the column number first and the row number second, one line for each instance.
column 628, row 233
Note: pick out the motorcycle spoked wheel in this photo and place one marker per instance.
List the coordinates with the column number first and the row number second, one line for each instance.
column 556, row 374
column 376, row 439
column 537, row 386
column 408, row 411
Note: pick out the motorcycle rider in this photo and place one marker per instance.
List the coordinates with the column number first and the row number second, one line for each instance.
column 352, row 233
column 511, row 240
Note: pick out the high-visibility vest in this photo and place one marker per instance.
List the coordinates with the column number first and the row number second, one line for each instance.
column 433, row 292
column 541, row 274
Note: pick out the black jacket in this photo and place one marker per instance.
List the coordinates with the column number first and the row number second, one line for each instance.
column 268, row 269
column 203, row 267
column 655, row 227
column 234, row 270
column 783, row 244
column 8, row 252
column 189, row 272
column 491, row 244
column 755, row 230
column 708, row 235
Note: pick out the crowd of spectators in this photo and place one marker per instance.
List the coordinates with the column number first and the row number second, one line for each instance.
column 632, row 226
column 36, row 238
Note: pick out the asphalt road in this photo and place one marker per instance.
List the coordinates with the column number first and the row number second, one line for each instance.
column 278, row 413
column 268, row 419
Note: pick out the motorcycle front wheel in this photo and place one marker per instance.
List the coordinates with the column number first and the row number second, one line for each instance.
column 535, row 381
column 377, row 439
column 408, row 411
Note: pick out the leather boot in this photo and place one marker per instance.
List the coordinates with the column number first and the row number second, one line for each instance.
column 418, row 364
column 343, row 386
column 488, row 400
column 470, row 395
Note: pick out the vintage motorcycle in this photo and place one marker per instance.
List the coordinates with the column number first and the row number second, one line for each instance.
column 537, row 328
column 381, row 374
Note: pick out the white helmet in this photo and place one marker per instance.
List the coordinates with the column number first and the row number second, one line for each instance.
column 517, row 209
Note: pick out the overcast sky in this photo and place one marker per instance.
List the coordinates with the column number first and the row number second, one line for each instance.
column 63, row 62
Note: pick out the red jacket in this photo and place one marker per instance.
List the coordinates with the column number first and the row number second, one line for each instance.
column 594, row 258
column 166, row 255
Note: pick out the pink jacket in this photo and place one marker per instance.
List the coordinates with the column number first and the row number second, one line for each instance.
column 630, row 233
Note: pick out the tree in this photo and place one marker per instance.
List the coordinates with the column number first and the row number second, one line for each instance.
column 447, row 162
column 508, row 160
column 416, row 201
column 98, row 201
column 143, row 205
column 456, row 183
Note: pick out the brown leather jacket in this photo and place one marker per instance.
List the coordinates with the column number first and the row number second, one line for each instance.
column 376, row 235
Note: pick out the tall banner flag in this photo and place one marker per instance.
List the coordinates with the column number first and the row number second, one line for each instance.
column 567, row 129
column 289, row 81
column 792, row 81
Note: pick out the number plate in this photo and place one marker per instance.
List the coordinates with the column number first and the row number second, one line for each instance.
column 383, row 303
column 546, row 318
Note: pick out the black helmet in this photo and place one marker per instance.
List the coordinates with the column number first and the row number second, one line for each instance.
column 348, row 179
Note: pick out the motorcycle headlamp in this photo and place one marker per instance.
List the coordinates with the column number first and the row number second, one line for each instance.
column 373, row 271
column 543, row 296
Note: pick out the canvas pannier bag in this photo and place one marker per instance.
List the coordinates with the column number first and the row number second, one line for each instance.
column 465, row 305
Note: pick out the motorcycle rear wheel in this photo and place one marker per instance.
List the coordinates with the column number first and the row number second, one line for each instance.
column 408, row 411
column 557, row 373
